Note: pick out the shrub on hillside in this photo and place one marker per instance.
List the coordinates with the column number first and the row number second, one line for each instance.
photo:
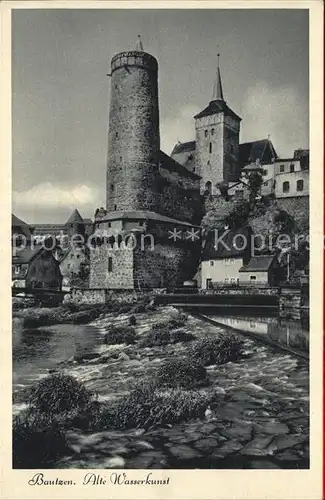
column 37, row 440
column 59, row 393
column 148, row 406
column 216, row 350
column 183, row 372
column 120, row 334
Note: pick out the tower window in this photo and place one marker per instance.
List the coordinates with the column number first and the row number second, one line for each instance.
column 120, row 158
column 205, row 133
column 292, row 167
column 212, row 131
column 110, row 264
column 109, row 224
column 208, row 188
column 286, row 187
column 208, row 162
column 115, row 207
column 210, row 147
column 112, row 187
column 116, row 134
column 300, row 185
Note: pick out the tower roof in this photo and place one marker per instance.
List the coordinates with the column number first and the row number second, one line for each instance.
column 217, row 87
column 75, row 217
column 139, row 46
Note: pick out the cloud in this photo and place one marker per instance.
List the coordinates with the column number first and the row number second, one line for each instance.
column 179, row 127
column 48, row 195
column 276, row 111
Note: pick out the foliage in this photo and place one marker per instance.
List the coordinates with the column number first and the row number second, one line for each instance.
column 168, row 332
column 150, row 406
column 59, row 393
column 37, row 440
column 120, row 334
column 216, row 350
column 255, row 181
column 182, row 372
column 238, row 216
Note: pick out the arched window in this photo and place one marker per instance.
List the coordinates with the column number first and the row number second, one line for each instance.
column 115, row 207
column 286, row 187
column 300, row 185
column 205, row 133
column 210, row 147
column 208, row 187
column 212, row 131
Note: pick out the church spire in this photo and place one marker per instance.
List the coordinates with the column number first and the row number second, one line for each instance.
column 139, row 46
column 217, row 87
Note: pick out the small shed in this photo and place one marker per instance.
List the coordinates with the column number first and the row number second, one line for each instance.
column 260, row 270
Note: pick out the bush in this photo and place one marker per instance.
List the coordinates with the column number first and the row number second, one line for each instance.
column 217, row 350
column 184, row 372
column 37, row 440
column 148, row 406
column 120, row 334
column 162, row 335
column 59, row 393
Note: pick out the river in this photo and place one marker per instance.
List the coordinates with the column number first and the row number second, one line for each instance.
column 35, row 351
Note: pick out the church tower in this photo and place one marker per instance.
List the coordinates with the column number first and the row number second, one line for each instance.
column 133, row 137
column 217, row 141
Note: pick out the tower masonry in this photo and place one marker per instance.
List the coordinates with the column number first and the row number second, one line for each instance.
column 217, row 141
column 133, row 137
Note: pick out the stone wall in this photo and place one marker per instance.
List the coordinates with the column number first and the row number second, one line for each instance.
column 118, row 274
column 86, row 296
column 298, row 207
column 133, row 138
column 167, row 264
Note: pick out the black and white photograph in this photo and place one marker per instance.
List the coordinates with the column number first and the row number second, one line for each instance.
column 160, row 241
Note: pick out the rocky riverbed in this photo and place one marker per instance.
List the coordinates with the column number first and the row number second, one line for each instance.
column 261, row 420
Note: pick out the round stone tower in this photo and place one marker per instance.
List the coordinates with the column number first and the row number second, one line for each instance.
column 133, row 137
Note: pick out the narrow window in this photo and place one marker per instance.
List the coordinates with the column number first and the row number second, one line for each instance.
column 281, row 168
column 208, row 188
column 210, row 147
column 286, row 187
column 120, row 158
column 115, row 207
column 300, row 185
column 110, row 264
column 208, row 162
column 292, row 167
column 112, row 187
column 231, row 149
column 109, row 224
column 212, row 131
column 116, row 134
column 211, row 262
column 205, row 133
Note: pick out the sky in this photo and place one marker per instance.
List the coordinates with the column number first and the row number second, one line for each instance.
column 60, row 91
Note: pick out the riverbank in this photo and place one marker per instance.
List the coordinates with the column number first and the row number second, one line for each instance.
column 255, row 415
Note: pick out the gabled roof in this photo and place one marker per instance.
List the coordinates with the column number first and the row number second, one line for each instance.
column 26, row 255
column 20, row 225
column 258, row 263
column 261, row 150
column 224, row 243
column 75, row 217
column 170, row 164
column 182, row 147
column 217, row 106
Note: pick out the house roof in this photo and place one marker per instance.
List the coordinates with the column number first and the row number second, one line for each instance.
column 20, row 225
column 217, row 106
column 26, row 255
column 261, row 150
column 141, row 215
column 75, row 217
column 258, row 263
column 170, row 164
column 252, row 167
column 182, row 147
column 226, row 243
